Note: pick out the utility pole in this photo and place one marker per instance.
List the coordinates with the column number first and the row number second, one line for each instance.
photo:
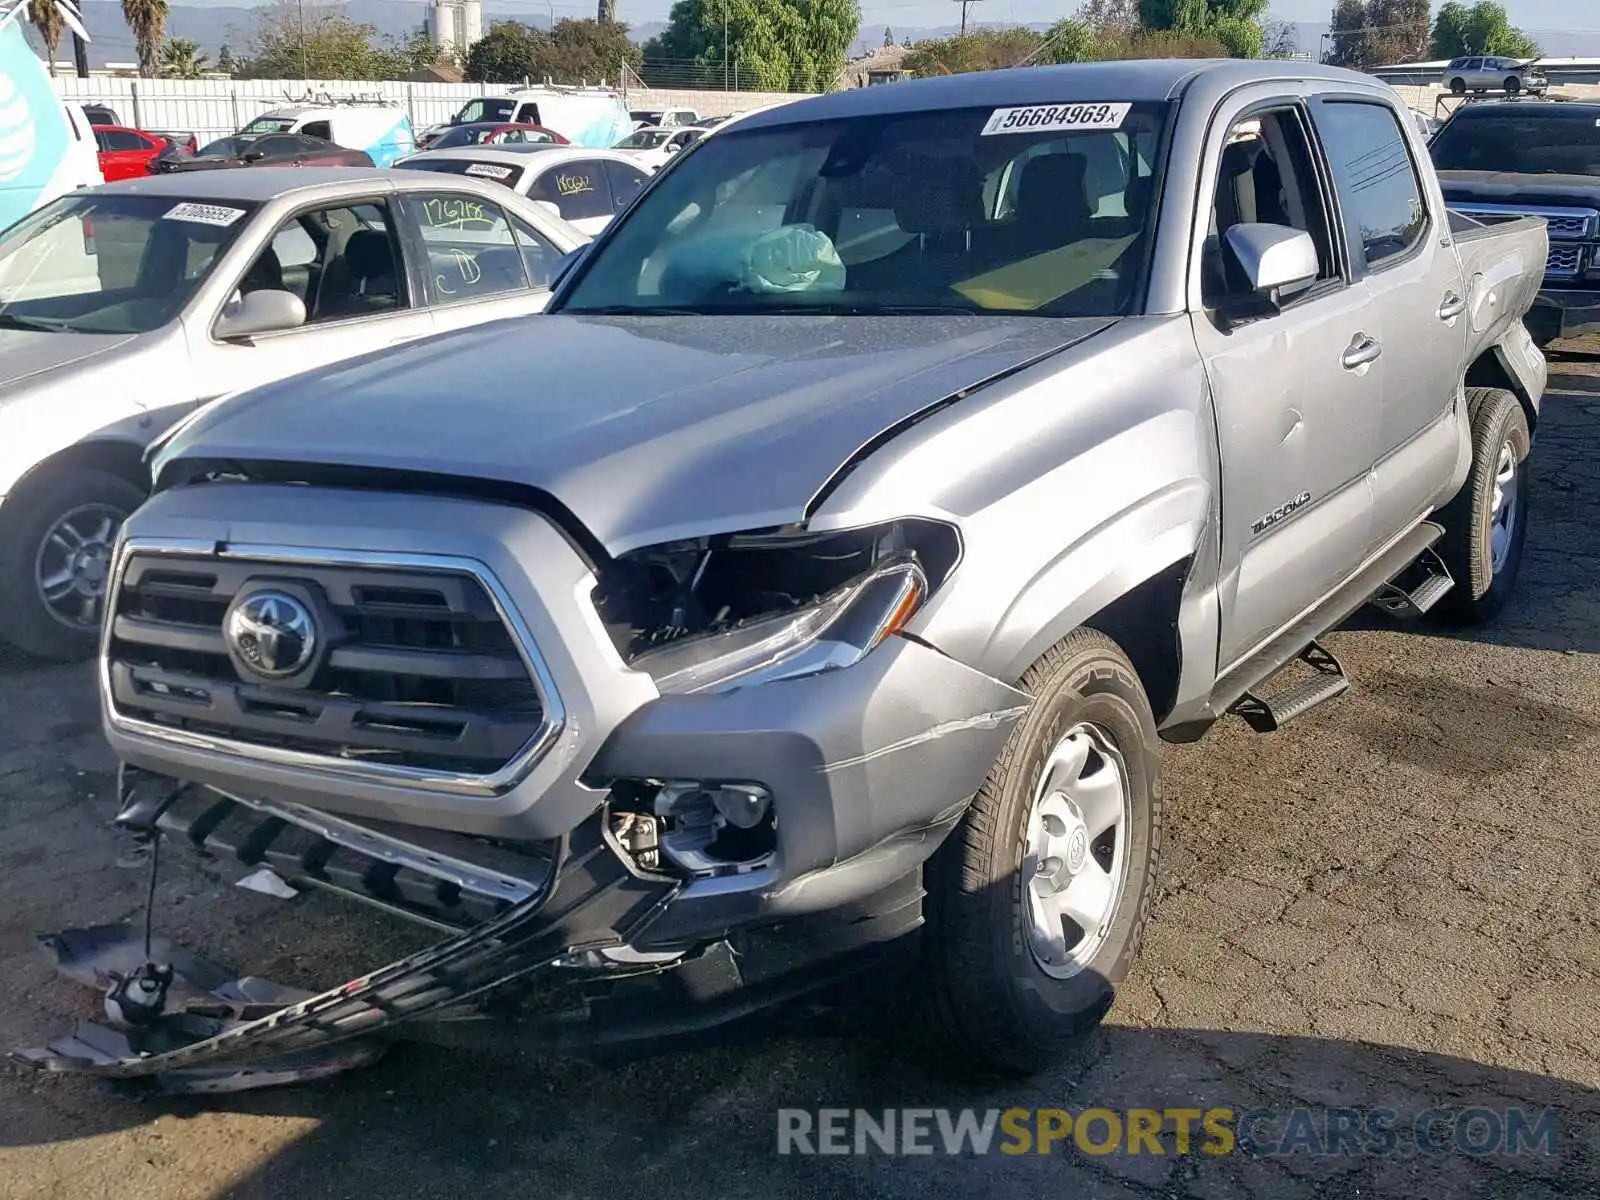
column 80, row 56
column 300, row 8
column 724, row 45
column 965, row 4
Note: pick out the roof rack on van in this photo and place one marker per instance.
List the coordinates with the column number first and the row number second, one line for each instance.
column 568, row 89
column 326, row 99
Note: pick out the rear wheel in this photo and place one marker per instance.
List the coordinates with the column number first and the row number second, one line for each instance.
column 1487, row 523
column 1458, row 87
column 1513, row 85
column 1038, row 901
column 56, row 538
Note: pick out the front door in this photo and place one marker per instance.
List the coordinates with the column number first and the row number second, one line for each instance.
column 1296, row 392
column 344, row 261
column 1399, row 242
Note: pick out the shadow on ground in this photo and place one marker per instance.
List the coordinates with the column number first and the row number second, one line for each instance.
column 428, row 1122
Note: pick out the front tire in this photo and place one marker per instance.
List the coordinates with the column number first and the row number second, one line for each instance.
column 1038, row 901
column 1513, row 85
column 1487, row 522
column 56, row 537
column 1458, row 87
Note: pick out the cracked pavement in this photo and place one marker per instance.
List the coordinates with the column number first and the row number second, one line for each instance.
column 1391, row 904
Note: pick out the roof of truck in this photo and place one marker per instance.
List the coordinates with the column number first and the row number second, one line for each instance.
column 1148, row 79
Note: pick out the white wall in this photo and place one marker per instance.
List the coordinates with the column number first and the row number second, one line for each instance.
column 213, row 108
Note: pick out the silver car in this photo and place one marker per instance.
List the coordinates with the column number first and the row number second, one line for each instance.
column 123, row 308
column 1494, row 73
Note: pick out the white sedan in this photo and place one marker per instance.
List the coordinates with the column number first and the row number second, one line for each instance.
column 124, row 308
column 654, row 148
column 585, row 188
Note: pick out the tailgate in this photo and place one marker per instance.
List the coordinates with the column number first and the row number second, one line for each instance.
column 1503, row 265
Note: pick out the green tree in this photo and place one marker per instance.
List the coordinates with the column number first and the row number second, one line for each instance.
column 572, row 52
column 1481, row 28
column 181, row 59
column 1236, row 24
column 1068, row 41
column 148, row 21
column 980, row 50
column 226, row 61
column 328, row 45
column 46, row 18
column 1375, row 33
column 772, row 45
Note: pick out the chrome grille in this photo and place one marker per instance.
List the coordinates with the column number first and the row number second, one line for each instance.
column 1562, row 224
column 1564, row 260
column 1569, row 225
column 420, row 674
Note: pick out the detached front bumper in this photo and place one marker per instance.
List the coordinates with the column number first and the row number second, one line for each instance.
column 1564, row 313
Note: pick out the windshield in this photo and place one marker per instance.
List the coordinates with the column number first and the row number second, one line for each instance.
column 269, row 125
column 1549, row 144
column 494, row 172
column 492, row 108
column 909, row 212
column 645, row 139
column 111, row 263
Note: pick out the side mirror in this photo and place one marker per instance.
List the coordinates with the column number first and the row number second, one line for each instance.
column 674, row 148
column 264, row 311
column 1272, row 261
column 548, row 208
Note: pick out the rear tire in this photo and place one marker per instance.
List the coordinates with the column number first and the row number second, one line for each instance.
column 1458, row 87
column 1487, row 522
column 1513, row 85
column 56, row 536
column 1008, row 988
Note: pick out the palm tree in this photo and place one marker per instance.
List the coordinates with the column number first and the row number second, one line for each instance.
column 47, row 20
column 181, row 59
column 148, row 20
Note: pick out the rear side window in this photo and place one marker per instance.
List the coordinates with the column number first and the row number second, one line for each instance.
column 122, row 139
column 472, row 251
column 318, row 129
column 578, row 190
column 1375, row 178
column 626, row 183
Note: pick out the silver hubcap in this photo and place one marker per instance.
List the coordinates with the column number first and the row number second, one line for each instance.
column 1503, row 523
column 1076, row 859
column 74, row 562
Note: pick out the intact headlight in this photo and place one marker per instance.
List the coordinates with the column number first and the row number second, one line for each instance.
column 734, row 610
column 836, row 631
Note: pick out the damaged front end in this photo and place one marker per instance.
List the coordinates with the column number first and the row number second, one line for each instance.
column 661, row 791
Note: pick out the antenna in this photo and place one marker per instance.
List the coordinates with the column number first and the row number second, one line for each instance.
column 965, row 4
column 17, row 10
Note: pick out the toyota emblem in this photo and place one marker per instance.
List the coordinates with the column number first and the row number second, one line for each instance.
column 272, row 633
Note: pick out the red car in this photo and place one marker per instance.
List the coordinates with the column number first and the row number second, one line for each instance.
column 490, row 133
column 126, row 153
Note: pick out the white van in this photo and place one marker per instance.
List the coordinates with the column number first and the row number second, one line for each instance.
column 384, row 133
column 593, row 117
column 46, row 147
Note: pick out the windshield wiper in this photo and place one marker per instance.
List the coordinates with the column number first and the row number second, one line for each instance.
column 12, row 321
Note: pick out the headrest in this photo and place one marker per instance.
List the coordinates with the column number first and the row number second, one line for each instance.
column 1053, row 181
column 369, row 255
column 937, row 195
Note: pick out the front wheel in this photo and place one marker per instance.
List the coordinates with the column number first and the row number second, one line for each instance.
column 1038, row 901
column 1458, row 87
column 56, row 538
column 1487, row 523
column 1513, row 85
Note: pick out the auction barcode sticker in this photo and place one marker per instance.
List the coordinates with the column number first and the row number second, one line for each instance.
column 488, row 170
column 1050, row 118
column 204, row 214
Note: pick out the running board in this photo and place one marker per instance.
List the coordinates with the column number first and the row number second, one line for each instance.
column 1271, row 712
column 1417, row 589
column 1291, row 642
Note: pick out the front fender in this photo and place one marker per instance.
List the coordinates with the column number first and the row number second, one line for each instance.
column 36, row 429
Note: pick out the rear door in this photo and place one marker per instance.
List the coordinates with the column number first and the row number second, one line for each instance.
column 580, row 191
column 481, row 263
column 345, row 261
column 1400, row 245
column 1297, row 393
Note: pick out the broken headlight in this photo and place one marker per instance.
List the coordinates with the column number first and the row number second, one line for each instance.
column 728, row 612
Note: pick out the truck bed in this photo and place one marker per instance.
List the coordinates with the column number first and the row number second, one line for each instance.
column 1503, row 265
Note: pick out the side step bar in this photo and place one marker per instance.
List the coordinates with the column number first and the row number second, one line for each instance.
column 1417, row 589
column 1271, row 712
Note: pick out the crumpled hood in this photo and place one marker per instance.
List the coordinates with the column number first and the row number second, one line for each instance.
column 645, row 428
column 25, row 353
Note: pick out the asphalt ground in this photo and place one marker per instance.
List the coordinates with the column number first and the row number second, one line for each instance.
column 1382, row 917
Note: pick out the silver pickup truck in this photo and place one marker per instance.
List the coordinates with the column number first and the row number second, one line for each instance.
column 816, row 586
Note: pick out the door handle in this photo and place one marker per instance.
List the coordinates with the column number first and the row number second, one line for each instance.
column 1451, row 307
column 1362, row 351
